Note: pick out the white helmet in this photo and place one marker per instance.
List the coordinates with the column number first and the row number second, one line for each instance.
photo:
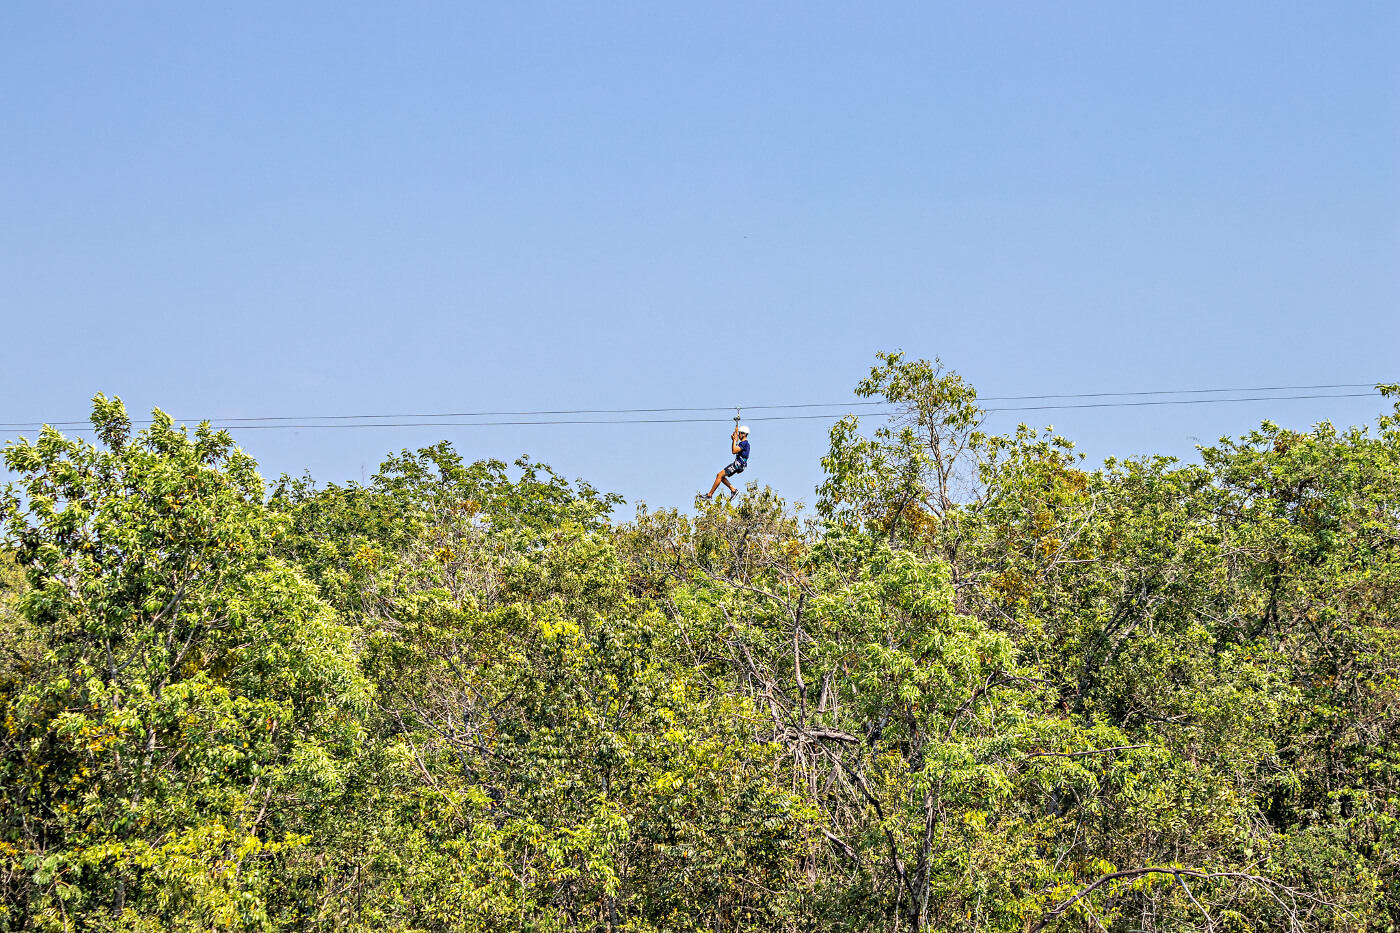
column 743, row 429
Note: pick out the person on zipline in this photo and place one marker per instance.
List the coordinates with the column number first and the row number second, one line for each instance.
column 739, row 441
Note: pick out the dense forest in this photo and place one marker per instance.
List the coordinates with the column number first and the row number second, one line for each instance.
column 984, row 687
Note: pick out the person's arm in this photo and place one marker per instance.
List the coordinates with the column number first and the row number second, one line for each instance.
column 734, row 441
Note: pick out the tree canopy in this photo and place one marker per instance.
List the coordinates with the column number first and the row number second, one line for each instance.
column 986, row 687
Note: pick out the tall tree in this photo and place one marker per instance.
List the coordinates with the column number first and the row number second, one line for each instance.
column 195, row 697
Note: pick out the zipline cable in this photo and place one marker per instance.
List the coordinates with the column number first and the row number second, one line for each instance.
column 352, row 421
column 648, row 411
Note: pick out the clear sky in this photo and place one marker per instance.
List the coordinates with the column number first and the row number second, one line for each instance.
column 303, row 209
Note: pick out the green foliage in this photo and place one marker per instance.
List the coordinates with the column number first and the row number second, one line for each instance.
column 906, row 476
column 191, row 689
column 20, row 646
column 340, row 535
column 987, row 689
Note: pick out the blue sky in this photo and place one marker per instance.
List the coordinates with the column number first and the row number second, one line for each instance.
column 305, row 209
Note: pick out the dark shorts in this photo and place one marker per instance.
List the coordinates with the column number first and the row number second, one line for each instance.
column 735, row 468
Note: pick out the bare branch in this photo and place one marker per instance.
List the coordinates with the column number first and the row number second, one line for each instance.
column 1092, row 751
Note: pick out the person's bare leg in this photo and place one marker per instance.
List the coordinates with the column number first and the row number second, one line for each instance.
column 730, row 486
column 719, row 478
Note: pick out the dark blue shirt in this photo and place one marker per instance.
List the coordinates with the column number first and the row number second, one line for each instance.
column 743, row 453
